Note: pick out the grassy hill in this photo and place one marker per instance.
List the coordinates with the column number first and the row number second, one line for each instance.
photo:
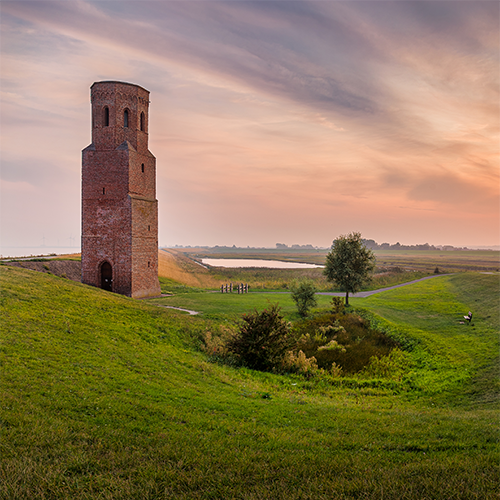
column 107, row 397
column 176, row 267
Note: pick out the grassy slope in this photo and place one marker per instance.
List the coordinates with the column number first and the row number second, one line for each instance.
column 102, row 396
column 181, row 269
column 447, row 353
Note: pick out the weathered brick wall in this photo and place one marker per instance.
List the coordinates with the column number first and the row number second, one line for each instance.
column 119, row 206
column 144, row 246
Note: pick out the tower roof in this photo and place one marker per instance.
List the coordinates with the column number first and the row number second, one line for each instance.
column 121, row 83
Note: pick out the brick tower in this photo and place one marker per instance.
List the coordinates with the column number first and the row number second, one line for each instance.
column 119, row 206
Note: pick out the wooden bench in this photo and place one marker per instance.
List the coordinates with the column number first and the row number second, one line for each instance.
column 468, row 317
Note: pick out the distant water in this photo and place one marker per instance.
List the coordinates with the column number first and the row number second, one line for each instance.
column 270, row 264
column 35, row 251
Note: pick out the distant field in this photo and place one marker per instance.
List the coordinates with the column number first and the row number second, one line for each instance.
column 177, row 268
column 393, row 267
column 449, row 261
column 423, row 260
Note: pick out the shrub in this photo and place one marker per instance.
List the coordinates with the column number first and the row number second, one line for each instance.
column 299, row 363
column 393, row 366
column 345, row 341
column 216, row 340
column 333, row 345
column 338, row 305
column 304, row 295
column 262, row 340
column 335, row 370
column 331, row 330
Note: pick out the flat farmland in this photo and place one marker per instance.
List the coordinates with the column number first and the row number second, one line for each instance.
column 419, row 260
column 309, row 256
column 447, row 261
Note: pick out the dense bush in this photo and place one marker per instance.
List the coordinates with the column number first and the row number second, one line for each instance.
column 343, row 340
column 338, row 305
column 393, row 366
column 331, row 343
column 262, row 340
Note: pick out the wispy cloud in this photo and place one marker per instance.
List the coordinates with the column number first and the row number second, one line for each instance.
column 319, row 111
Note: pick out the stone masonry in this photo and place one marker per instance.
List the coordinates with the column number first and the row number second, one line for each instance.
column 119, row 206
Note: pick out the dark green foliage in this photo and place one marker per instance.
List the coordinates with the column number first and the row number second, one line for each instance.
column 262, row 340
column 338, row 305
column 357, row 342
column 349, row 263
column 304, row 295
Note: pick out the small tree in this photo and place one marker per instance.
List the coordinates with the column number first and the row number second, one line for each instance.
column 263, row 339
column 304, row 295
column 349, row 263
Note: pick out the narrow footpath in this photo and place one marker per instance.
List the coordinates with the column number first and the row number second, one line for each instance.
column 192, row 313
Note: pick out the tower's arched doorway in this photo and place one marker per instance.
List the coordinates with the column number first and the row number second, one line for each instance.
column 106, row 276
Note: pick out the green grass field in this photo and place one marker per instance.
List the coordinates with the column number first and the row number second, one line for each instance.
column 107, row 397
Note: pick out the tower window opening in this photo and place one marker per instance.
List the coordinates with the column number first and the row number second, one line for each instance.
column 149, row 264
column 142, row 121
column 103, row 190
column 106, row 116
column 149, row 228
column 142, row 167
column 125, row 118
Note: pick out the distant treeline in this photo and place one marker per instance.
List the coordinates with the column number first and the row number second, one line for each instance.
column 282, row 245
column 373, row 245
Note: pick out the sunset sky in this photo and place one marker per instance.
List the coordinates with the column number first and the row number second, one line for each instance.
column 271, row 121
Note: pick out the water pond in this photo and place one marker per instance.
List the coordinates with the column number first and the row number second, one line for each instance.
column 270, row 264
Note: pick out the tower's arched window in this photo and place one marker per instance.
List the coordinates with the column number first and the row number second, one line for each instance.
column 106, row 117
column 125, row 118
column 142, row 167
column 142, row 122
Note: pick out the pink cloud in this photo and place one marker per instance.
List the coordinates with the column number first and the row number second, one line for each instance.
column 290, row 121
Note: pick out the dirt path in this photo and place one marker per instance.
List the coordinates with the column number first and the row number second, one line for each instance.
column 192, row 313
